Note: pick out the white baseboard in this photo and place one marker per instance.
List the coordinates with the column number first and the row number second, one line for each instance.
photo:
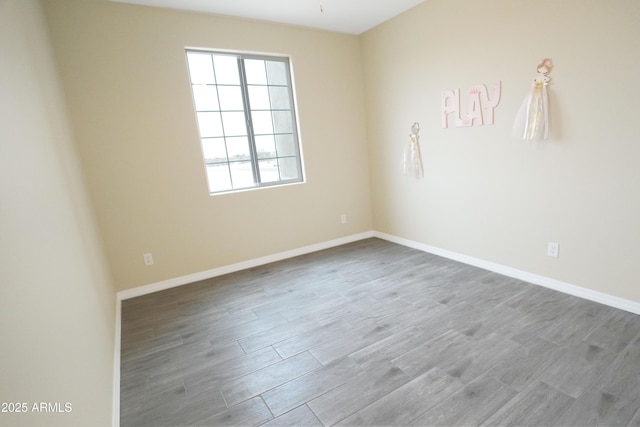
column 599, row 297
column 220, row 271
column 557, row 285
column 116, row 366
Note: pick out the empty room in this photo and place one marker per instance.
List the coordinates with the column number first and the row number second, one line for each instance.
column 319, row 212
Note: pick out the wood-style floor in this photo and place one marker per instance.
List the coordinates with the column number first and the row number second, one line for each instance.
column 374, row 333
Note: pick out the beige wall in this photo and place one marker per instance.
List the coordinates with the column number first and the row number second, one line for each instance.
column 56, row 300
column 486, row 194
column 124, row 72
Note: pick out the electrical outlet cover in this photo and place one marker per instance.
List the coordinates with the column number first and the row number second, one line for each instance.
column 148, row 259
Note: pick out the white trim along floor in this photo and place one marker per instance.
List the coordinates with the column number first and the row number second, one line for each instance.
column 599, row 297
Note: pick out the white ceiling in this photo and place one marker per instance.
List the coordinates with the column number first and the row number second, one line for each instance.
column 345, row 16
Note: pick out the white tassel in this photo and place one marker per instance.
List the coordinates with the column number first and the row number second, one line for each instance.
column 533, row 117
column 412, row 159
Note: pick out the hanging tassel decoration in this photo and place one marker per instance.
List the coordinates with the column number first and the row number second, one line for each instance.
column 412, row 158
column 532, row 121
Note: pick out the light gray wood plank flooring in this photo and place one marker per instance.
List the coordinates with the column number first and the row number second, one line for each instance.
column 373, row 333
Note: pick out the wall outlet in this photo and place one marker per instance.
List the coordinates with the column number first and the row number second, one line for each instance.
column 553, row 249
column 148, row 259
column 343, row 218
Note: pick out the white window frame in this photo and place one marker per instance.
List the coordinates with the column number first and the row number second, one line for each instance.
column 255, row 166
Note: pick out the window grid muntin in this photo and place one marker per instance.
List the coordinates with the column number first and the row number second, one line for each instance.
column 287, row 85
column 256, row 159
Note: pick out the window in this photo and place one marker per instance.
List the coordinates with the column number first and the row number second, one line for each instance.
column 246, row 118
